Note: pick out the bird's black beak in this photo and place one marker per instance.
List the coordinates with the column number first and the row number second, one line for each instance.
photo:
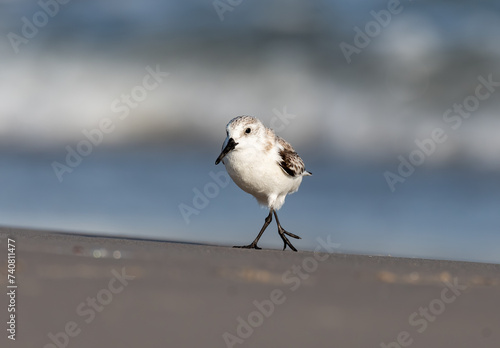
column 231, row 144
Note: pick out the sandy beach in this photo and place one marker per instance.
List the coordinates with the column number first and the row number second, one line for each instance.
column 84, row 291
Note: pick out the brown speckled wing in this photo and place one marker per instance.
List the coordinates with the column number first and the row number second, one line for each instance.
column 290, row 162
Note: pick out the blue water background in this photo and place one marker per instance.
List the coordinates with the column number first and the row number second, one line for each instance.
column 447, row 213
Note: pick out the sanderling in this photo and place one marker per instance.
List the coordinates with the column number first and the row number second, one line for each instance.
column 263, row 165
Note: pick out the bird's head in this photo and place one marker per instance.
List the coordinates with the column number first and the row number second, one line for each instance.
column 243, row 132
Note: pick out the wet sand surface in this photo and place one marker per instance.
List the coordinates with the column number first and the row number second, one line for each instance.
column 85, row 291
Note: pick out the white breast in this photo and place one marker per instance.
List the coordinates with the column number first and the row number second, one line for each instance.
column 260, row 175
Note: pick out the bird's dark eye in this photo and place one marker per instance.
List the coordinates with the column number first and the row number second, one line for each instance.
column 248, row 130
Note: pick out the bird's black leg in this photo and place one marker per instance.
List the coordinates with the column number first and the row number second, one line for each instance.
column 268, row 220
column 282, row 233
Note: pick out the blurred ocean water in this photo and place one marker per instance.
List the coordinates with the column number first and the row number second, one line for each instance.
column 260, row 58
column 350, row 119
column 449, row 213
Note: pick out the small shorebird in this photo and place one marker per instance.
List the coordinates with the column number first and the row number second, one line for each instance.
column 263, row 165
